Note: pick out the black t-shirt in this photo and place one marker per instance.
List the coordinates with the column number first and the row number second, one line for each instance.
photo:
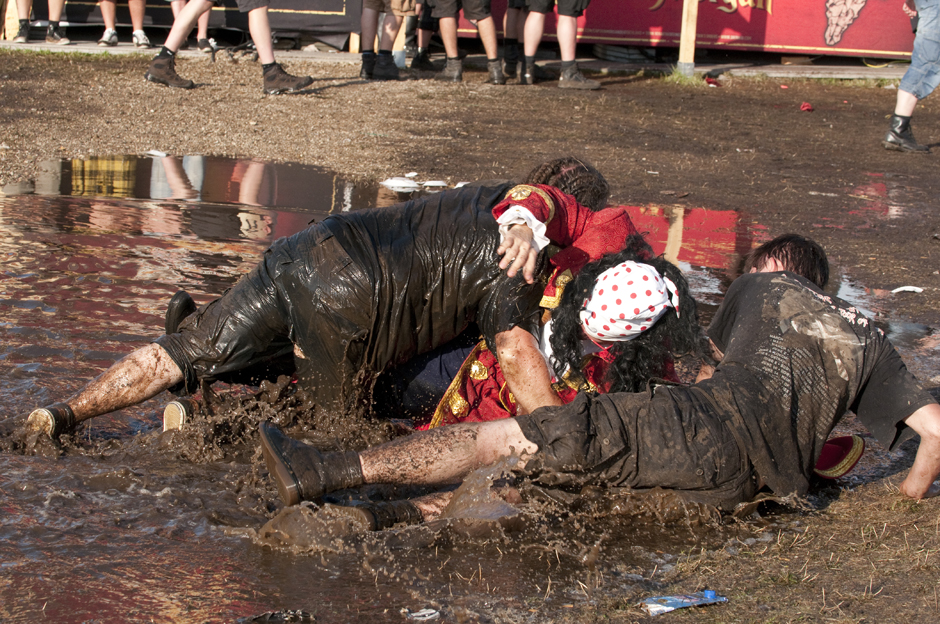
column 434, row 270
column 795, row 360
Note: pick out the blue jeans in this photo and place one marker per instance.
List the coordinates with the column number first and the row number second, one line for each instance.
column 924, row 74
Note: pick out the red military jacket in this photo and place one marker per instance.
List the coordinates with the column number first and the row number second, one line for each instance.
column 479, row 392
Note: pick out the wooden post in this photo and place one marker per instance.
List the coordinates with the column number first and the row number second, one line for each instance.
column 687, row 37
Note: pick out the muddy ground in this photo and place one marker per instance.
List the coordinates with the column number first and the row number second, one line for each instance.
column 863, row 553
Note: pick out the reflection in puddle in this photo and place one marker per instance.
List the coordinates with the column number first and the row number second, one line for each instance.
column 90, row 257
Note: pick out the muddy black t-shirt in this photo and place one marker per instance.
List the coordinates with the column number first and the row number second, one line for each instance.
column 795, row 360
column 434, row 270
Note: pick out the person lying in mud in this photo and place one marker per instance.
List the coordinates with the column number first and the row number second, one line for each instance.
column 792, row 361
column 640, row 316
column 348, row 297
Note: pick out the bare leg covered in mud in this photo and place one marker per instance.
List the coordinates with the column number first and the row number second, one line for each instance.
column 444, row 455
column 135, row 378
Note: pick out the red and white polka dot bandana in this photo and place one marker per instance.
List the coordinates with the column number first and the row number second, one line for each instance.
column 627, row 300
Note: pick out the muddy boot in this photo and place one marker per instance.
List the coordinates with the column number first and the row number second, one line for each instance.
column 53, row 420
column 385, row 68
column 276, row 80
column 368, row 65
column 900, row 137
column 511, row 61
column 495, row 69
column 180, row 306
column 162, row 70
column 179, row 413
column 422, row 61
column 452, row 72
column 528, row 74
column 572, row 78
column 301, row 472
column 379, row 516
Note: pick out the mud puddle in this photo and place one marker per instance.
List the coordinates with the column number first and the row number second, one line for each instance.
column 130, row 523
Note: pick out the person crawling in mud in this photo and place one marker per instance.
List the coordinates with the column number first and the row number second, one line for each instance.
column 792, row 361
column 641, row 316
column 359, row 292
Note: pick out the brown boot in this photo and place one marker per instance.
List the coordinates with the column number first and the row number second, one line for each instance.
column 162, row 70
column 301, row 472
column 276, row 80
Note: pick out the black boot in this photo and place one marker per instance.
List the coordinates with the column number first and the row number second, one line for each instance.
column 385, row 68
column 181, row 305
column 528, row 76
column 53, row 420
column 368, row 65
column 452, row 72
column 511, row 60
column 422, row 61
column 301, row 472
column 379, row 515
column 900, row 137
column 495, row 69
column 572, row 78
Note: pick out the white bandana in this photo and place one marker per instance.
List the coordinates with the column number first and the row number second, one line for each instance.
column 627, row 300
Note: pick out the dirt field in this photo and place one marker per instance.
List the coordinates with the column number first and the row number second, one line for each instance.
column 863, row 554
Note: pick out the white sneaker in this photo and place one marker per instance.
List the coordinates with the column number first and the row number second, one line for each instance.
column 109, row 38
column 140, row 39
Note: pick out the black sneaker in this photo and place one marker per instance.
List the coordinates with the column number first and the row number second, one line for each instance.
column 385, row 68
column 22, row 35
column 368, row 65
column 54, row 35
column 162, row 70
column 422, row 61
column 495, row 70
column 276, row 80
column 572, row 78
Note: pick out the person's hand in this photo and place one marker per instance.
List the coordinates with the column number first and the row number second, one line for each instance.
column 518, row 252
column 909, row 9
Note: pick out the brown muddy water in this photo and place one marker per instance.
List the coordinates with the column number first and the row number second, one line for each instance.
column 127, row 523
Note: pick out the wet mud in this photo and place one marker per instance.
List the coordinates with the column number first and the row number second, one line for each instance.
column 122, row 521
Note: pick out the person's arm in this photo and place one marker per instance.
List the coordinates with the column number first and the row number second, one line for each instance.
column 707, row 370
column 920, row 481
column 554, row 217
column 525, row 370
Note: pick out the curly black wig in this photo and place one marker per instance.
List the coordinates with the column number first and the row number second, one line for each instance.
column 575, row 177
column 644, row 357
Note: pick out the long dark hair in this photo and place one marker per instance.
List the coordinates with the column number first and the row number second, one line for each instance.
column 644, row 357
column 574, row 176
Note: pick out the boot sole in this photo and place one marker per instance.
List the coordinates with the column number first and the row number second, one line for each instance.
column 894, row 147
column 287, row 487
column 151, row 78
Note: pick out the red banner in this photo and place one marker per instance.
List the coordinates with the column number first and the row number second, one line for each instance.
column 872, row 28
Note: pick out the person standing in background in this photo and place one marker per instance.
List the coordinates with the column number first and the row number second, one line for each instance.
column 53, row 33
column 921, row 78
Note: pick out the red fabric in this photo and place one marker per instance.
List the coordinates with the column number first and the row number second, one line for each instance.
column 583, row 235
